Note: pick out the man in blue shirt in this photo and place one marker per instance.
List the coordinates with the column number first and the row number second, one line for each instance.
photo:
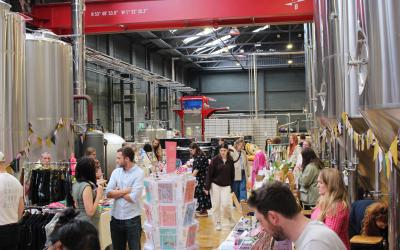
column 125, row 187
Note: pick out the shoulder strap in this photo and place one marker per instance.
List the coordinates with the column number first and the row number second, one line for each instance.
column 240, row 154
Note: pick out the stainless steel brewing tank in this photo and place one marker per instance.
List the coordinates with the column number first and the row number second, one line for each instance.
column 380, row 21
column 49, row 79
column 13, row 109
column 4, row 136
column 114, row 142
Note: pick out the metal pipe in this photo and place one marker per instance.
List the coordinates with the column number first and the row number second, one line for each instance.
column 78, row 53
column 255, row 87
column 89, row 106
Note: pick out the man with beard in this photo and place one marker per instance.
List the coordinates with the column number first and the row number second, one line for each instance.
column 125, row 187
column 280, row 216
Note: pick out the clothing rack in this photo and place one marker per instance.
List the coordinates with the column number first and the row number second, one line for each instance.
column 44, row 184
column 277, row 152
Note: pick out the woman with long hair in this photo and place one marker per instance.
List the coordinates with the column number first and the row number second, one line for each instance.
column 86, row 193
column 221, row 174
column 308, row 181
column 239, row 186
column 157, row 149
column 92, row 153
column 375, row 220
column 200, row 168
column 333, row 207
column 294, row 149
column 149, row 160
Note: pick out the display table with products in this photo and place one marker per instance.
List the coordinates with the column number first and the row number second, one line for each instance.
column 247, row 234
column 104, row 229
column 170, row 207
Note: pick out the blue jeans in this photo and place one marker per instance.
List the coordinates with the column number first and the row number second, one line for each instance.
column 239, row 188
column 126, row 231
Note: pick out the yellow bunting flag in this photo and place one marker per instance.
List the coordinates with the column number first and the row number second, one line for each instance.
column 393, row 150
column 48, row 141
column 355, row 137
column 376, row 151
column 388, row 167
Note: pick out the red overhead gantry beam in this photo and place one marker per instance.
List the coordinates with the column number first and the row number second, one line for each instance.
column 103, row 17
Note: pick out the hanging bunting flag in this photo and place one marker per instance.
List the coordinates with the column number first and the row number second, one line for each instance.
column 376, row 151
column 393, row 151
column 369, row 139
column 39, row 140
column 48, row 141
column 362, row 142
column 387, row 163
column 53, row 137
column 380, row 159
column 30, row 130
column 355, row 138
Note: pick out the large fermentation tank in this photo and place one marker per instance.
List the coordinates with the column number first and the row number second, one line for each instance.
column 379, row 27
column 13, row 109
column 49, row 80
column 113, row 143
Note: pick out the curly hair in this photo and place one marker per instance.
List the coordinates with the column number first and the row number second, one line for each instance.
column 375, row 211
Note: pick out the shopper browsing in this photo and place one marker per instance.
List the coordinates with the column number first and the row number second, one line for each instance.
column 294, row 149
column 125, row 186
column 85, row 192
column 45, row 159
column 308, row 180
column 157, row 149
column 73, row 234
column 221, row 141
column 200, row 168
column 239, row 156
column 221, row 174
column 332, row 207
column 299, row 161
column 92, row 153
column 279, row 215
column 11, row 207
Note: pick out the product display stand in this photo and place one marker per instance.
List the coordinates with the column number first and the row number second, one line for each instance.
column 170, row 209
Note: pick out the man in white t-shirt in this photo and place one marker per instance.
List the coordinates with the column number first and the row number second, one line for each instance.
column 280, row 216
column 11, row 208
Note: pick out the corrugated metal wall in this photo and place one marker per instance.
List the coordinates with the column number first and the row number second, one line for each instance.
column 99, row 86
column 280, row 90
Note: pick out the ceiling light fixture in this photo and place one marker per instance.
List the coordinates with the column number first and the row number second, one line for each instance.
column 215, row 42
column 205, row 32
column 289, row 46
column 257, row 45
column 290, row 61
column 223, row 50
column 261, row 28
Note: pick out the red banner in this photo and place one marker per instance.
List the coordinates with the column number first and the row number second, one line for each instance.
column 170, row 148
column 117, row 16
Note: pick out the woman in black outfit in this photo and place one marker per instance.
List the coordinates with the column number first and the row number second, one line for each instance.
column 200, row 168
column 221, row 174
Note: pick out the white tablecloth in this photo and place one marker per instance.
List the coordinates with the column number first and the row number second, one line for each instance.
column 104, row 230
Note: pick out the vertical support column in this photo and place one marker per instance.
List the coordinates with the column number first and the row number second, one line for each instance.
column 171, row 98
column 78, row 53
column 255, row 87
column 394, row 204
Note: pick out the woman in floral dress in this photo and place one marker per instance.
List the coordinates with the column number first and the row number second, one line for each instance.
column 200, row 168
